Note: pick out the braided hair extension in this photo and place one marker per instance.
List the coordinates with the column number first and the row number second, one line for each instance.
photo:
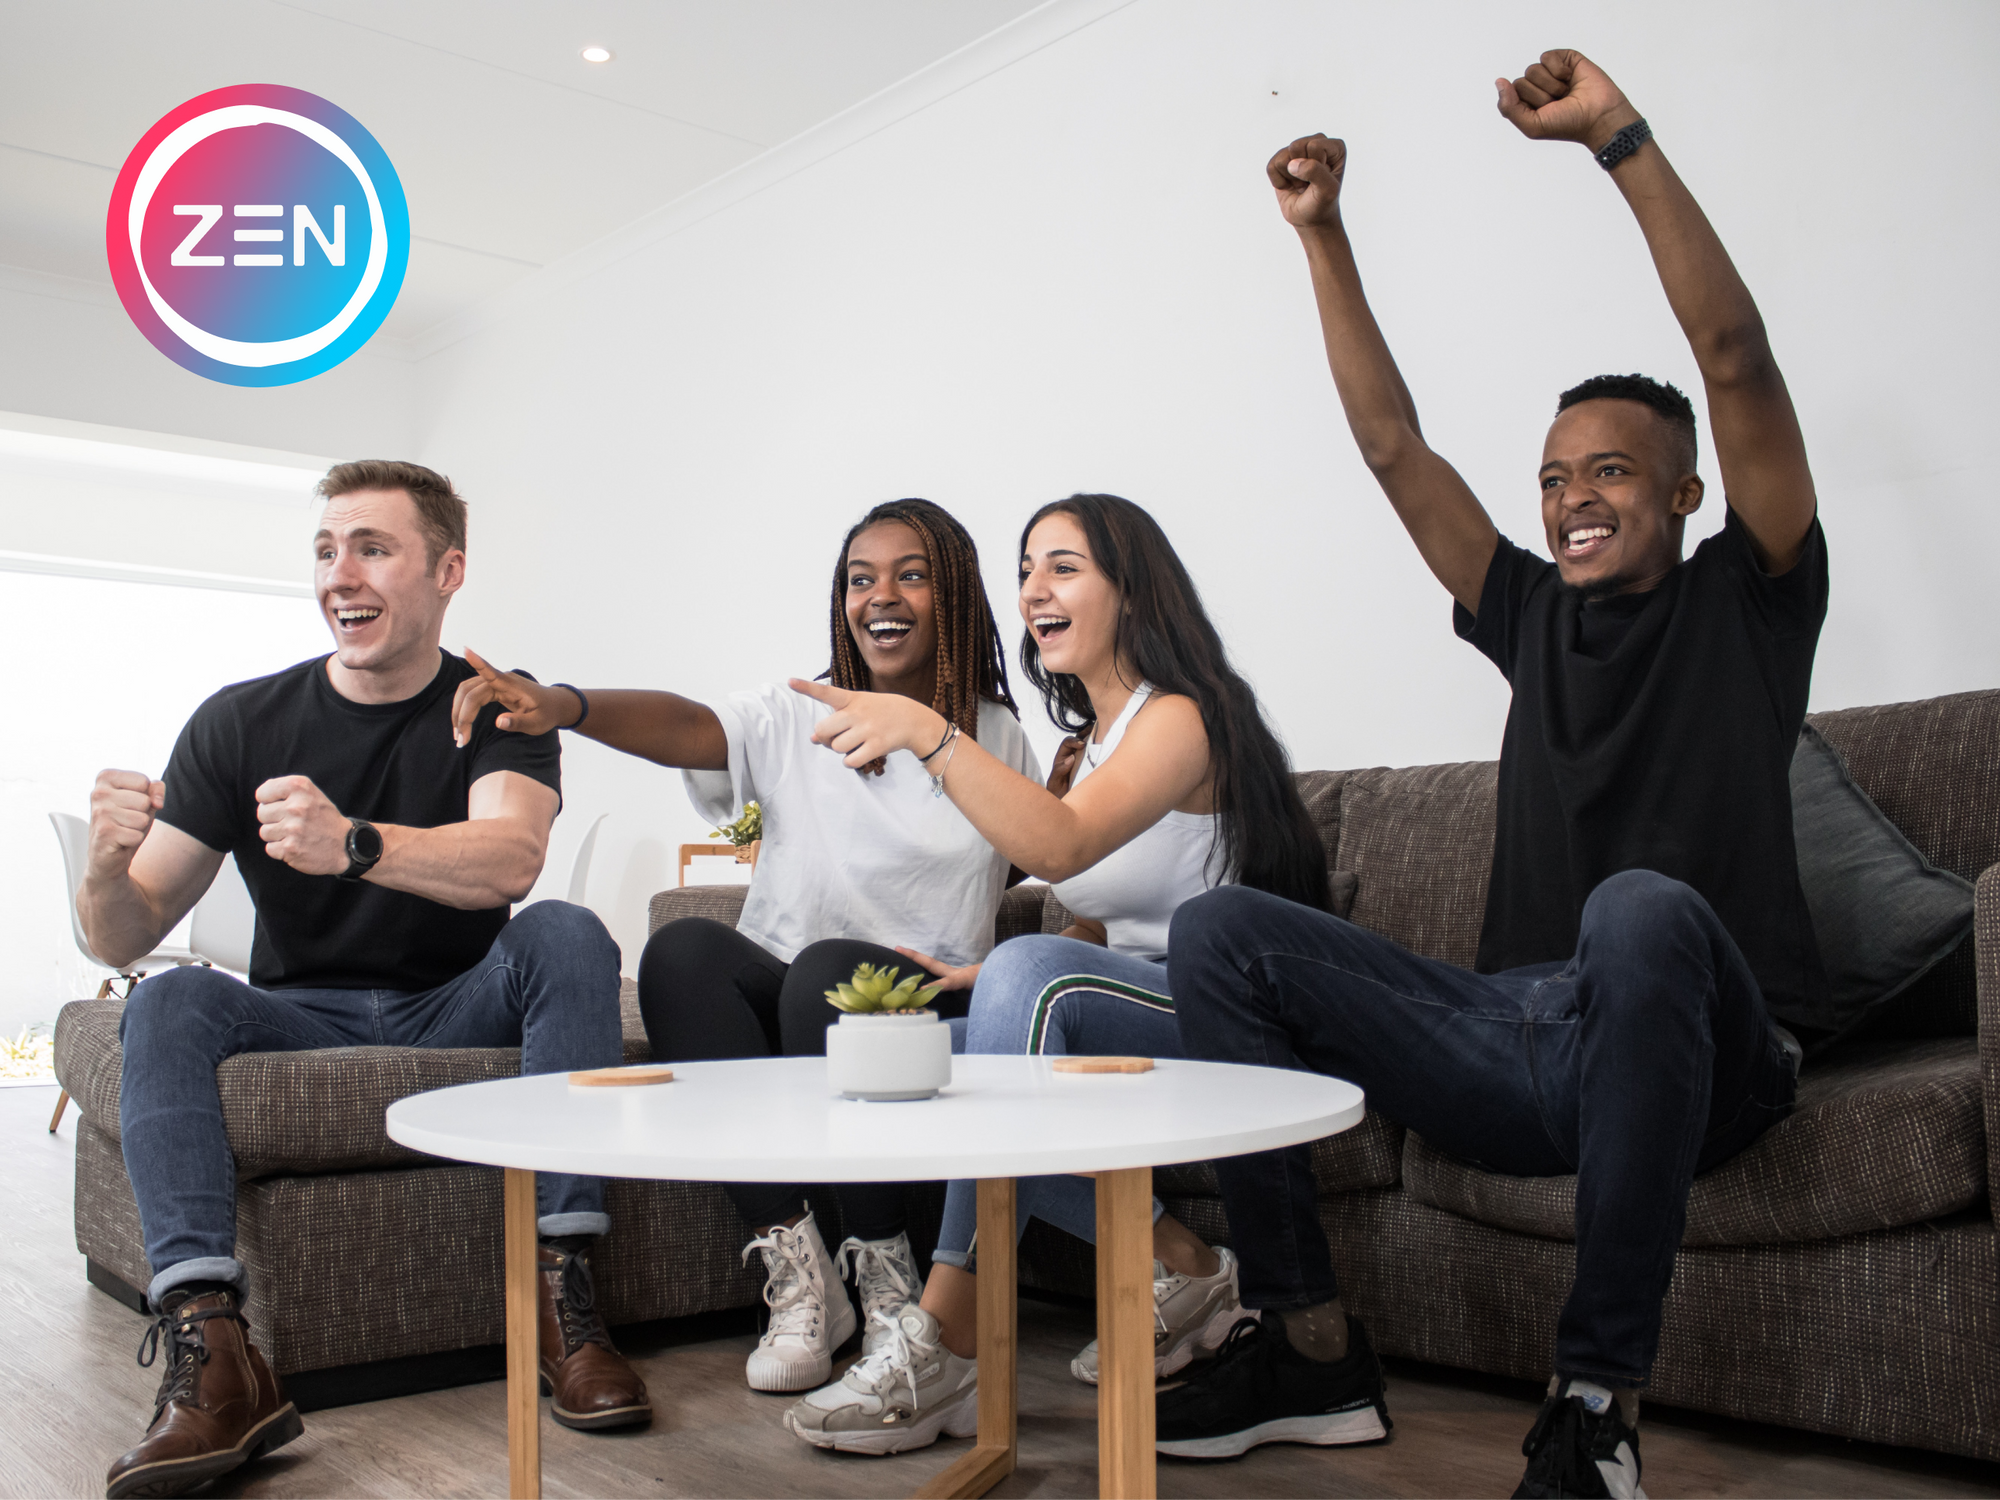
column 971, row 662
column 1262, row 830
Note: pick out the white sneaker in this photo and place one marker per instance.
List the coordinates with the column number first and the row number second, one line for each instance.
column 885, row 1280
column 1191, row 1315
column 810, row 1314
column 903, row 1396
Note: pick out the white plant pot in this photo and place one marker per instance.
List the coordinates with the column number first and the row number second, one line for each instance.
column 889, row 1055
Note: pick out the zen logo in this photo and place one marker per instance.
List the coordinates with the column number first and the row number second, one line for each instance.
column 257, row 235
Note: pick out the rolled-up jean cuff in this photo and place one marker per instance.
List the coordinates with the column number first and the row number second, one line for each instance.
column 962, row 1259
column 221, row 1268
column 549, row 1226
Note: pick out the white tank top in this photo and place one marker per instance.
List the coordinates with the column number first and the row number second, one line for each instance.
column 1134, row 890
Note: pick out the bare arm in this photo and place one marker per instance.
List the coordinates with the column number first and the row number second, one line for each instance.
column 1162, row 762
column 140, row 876
column 664, row 728
column 491, row 859
column 1444, row 518
column 1758, row 446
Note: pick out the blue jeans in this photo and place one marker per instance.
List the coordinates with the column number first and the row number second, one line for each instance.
column 549, row 985
column 1643, row 1060
column 1047, row 996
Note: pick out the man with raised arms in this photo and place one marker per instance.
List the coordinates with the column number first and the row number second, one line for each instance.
column 1644, row 917
column 382, row 857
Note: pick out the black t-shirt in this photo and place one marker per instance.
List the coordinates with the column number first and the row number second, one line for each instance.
column 1655, row 732
column 385, row 762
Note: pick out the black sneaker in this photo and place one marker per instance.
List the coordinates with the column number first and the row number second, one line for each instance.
column 1259, row 1389
column 1581, row 1446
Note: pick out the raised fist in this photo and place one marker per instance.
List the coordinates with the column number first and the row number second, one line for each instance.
column 1068, row 754
column 1566, row 97
column 301, row 826
column 122, row 805
column 1307, row 177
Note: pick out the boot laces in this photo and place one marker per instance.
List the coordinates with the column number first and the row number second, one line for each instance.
column 577, row 1303
column 884, row 1273
column 788, row 1289
column 186, row 1352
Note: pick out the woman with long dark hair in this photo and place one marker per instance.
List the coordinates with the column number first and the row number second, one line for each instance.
column 1174, row 783
column 848, row 861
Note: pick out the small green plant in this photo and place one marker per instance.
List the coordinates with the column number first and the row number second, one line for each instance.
column 32, row 1054
column 745, row 830
column 874, row 989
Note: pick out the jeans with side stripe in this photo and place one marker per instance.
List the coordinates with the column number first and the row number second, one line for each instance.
column 1047, row 996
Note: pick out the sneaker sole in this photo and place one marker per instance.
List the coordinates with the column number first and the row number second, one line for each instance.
column 959, row 1419
column 783, row 1376
column 1327, row 1430
column 177, row 1476
column 1181, row 1355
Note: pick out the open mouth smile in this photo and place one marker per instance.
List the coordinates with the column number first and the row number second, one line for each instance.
column 354, row 619
column 1586, row 541
column 888, row 634
column 1049, row 627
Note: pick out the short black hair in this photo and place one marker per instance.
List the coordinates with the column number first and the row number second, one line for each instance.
column 1668, row 401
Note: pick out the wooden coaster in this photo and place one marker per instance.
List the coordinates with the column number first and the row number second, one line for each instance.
column 623, row 1078
column 1103, row 1065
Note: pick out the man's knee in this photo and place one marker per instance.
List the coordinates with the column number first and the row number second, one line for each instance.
column 1642, row 909
column 560, row 929
column 178, row 1003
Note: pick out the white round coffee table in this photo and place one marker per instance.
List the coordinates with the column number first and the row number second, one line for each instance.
column 774, row 1120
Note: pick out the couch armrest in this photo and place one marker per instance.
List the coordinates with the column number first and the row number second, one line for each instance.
column 1986, row 959
column 719, row 903
column 1020, row 911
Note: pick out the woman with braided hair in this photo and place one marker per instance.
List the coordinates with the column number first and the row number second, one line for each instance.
column 851, row 860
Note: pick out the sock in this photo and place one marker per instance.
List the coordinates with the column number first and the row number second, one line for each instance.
column 188, row 1290
column 1319, row 1333
column 1598, row 1398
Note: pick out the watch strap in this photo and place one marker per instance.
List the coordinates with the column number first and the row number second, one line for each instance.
column 1623, row 144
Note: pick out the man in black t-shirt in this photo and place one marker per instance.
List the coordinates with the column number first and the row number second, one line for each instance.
column 382, row 858
column 1644, row 917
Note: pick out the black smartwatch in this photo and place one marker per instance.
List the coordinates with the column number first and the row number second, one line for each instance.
column 364, row 849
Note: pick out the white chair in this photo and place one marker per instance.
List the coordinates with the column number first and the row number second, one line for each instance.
column 223, row 923
column 579, row 869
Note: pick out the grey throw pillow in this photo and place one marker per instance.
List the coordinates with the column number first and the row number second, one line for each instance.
column 1884, row 914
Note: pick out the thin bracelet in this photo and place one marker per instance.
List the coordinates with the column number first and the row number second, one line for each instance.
column 579, row 698
column 924, row 760
column 937, row 781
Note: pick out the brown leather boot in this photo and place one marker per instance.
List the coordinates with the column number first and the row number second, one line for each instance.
column 219, row 1405
column 592, row 1385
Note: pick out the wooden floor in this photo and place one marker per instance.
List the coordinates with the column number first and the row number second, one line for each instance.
column 74, row 1398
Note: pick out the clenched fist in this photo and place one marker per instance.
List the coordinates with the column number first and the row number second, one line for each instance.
column 1068, row 754
column 1307, row 176
column 122, row 805
column 302, row 827
column 1565, row 97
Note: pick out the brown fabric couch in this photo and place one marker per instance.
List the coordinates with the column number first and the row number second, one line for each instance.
column 1838, row 1276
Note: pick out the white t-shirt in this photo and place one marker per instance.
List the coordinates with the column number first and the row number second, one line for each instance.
column 1134, row 889
column 876, row 858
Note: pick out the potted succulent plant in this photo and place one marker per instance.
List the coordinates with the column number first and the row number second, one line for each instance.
column 746, row 833
column 888, row 1045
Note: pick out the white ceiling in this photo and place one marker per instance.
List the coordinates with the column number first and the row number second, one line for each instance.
column 513, row 151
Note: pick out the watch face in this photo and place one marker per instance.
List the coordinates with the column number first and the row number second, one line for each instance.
column 365, row 842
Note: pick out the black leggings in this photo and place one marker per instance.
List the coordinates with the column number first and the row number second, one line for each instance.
column 707, row 991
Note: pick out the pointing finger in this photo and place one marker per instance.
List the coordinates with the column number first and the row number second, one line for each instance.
column 825, row 692
column 479, row 665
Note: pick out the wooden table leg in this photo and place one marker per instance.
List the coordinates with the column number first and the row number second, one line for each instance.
column 992, row 1458
column 1125, row 1456
column 524, row 1376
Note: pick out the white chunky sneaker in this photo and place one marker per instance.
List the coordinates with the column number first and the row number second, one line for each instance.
column 903, row 1396
column 810, row 1314
column 885, row 1278
column 1192, row 1315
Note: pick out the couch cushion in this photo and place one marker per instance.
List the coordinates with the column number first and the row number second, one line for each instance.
column 1420, row 843
column 1884, row 1134
column 299, row 1112
column 719, row 903
column 1369, row 1155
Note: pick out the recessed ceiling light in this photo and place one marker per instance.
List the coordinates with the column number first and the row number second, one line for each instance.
column 597, row 54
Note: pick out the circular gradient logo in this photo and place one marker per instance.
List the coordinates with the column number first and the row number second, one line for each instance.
column 257, row 235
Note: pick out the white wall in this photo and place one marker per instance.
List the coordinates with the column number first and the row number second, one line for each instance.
column 1071, row 276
